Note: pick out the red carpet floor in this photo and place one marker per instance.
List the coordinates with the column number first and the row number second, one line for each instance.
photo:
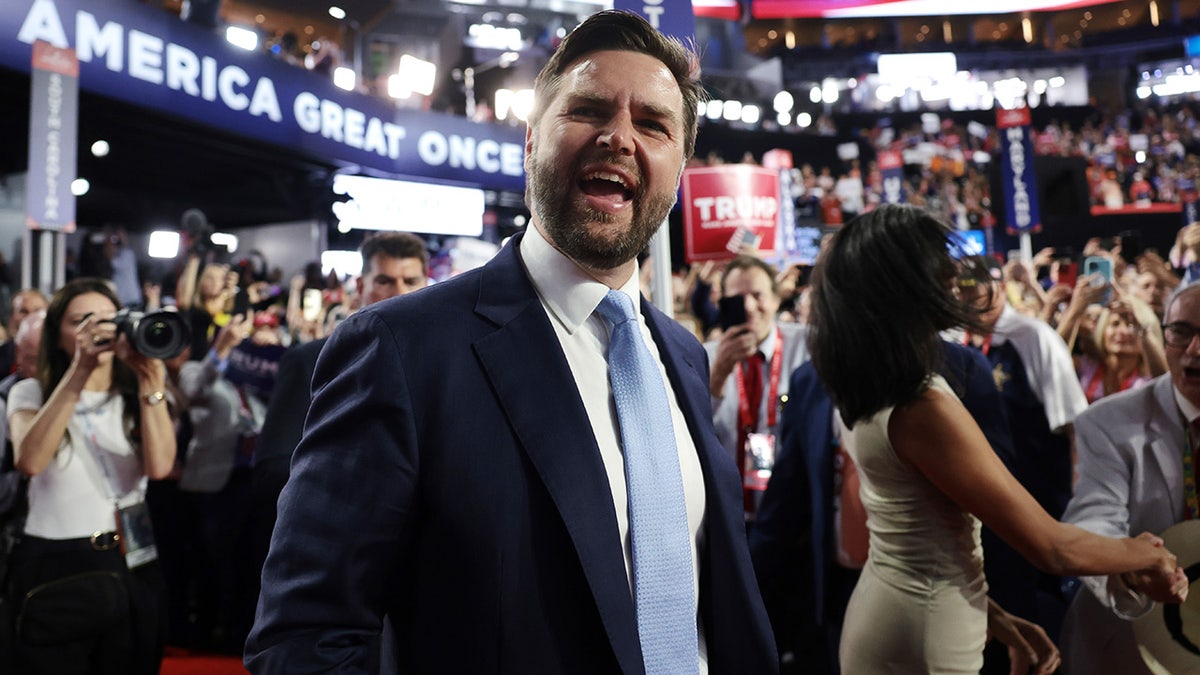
column 183, row 662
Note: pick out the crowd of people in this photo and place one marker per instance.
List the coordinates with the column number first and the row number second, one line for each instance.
column 900, row 460
column 138, row 493
column 1134, row 158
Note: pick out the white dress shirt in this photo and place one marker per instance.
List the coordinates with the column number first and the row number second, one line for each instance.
column 570, row 297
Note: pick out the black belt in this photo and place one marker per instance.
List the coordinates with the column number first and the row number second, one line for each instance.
column 99, row 541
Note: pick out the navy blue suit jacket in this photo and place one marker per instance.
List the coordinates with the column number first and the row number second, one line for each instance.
column 792, row 541
column 448, row 477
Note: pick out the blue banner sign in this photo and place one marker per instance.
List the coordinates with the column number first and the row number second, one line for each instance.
column 53, row 137
column 670, row 17
column 148, row 57
column 1016, row 167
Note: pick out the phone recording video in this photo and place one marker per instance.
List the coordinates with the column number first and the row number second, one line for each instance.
column 1103, row 268
column 731, row 311
column 310, row 306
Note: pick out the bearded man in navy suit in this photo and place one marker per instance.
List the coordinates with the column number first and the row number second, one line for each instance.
column 461, row 470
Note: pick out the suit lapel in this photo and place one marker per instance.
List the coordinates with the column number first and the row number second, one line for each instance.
column 533, row 383
column 689, row 383
column 1165, row 429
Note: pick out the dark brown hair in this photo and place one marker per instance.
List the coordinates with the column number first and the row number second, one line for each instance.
column 624, row 31
column 395, row 245
column 53, row 361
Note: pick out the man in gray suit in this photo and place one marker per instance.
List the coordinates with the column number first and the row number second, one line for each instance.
column 1132, row 451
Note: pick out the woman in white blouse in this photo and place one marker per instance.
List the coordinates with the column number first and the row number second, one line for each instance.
column 89, row 430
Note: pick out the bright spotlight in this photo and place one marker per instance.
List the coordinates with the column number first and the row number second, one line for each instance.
column 421, row 75
column 733, row 110
column 783, row 102
column 163, row 244
column 343, row 78
column 225, row 239
column 522, row 104
column 242, row 38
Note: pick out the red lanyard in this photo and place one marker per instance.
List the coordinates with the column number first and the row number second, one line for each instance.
column 1095, row 390
column 744, row 415
column 985, row 347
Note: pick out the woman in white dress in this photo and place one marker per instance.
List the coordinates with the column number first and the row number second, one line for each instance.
column 883, row 292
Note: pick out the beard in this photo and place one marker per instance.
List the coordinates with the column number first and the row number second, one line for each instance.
column 577, row 230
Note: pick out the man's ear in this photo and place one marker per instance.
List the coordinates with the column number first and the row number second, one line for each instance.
column 358, row 284
column 528, row 145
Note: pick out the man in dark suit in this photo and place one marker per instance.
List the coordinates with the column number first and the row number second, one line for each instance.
column 805, row 578
column 462, row 470
column 394, row 263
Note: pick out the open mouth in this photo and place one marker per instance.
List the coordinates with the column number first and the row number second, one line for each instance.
column 606, row 190
column 1191, row 372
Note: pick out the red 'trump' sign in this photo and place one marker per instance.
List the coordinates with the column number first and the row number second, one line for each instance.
column 736, row 202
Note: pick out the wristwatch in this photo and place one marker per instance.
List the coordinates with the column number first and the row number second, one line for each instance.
column 154, row 397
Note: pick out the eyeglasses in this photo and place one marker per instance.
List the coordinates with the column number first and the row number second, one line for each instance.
column 1179, row 333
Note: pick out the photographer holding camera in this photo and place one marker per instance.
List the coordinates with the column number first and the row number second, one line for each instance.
column 89, row 431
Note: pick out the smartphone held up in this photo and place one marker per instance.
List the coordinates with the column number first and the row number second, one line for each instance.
column 731, row 311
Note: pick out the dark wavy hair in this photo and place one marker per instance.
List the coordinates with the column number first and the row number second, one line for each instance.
column 883, row 290
column 624, row 31
column 53, row 361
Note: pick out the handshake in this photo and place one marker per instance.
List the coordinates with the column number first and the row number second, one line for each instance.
column 1162, row 581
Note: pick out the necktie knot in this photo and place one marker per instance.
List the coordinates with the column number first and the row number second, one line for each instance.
column 616, row 308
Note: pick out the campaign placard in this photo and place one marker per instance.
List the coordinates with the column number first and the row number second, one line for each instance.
column 726, row 203
column 891, row 169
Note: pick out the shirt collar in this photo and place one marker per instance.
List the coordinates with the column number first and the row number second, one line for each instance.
column 1189, row 410
column 767, row 346
column 568, row 292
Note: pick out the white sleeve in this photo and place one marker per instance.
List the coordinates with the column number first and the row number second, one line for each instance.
column 1055, row 379
column 25, row 395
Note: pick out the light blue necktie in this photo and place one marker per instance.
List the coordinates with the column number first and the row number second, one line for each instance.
column 662, row 550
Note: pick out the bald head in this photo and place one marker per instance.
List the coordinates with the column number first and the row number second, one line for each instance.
column 27, row 342
column 24, row 302
column 1180, row 293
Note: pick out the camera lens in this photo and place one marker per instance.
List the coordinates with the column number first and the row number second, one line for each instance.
column 158, row 335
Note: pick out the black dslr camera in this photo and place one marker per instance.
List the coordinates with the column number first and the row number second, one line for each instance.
column 159, row 335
